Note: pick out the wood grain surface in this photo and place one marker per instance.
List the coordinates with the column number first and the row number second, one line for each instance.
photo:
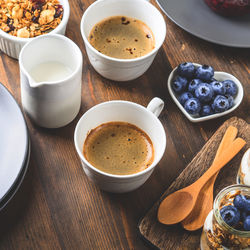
column 175, row 236
column 56, row 206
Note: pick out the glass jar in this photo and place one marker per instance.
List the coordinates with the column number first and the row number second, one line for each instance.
column 243, row 176
column 217, row 234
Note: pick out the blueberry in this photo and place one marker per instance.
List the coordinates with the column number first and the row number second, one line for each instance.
column 204, row 92
column 231, row 87
column 244, row 215
column 247, row 205
column 230, row 214
column 186, row 69
column 205, row 72
column 242, row 203
column 193, row 85
column 220, row 104
column 218, row 87
column 206, row 110
column 179, row 84
column 246, row 224
column 212, row 80
column 230, row 100
column 239, row 201
column 184, row 97
column 192, row 106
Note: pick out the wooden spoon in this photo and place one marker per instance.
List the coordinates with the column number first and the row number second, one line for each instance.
column 178, row 205
column 204, row 203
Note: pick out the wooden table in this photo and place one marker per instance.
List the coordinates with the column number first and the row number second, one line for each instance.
column 56, row 206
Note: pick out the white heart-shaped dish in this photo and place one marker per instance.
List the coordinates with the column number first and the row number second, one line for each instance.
column 218, row 75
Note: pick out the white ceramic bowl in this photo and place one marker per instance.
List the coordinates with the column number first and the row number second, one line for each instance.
column 12, row 45
column 122, row 69
column 218, row 75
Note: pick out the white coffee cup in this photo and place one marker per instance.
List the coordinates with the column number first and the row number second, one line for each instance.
column 144, row 118
column 56, row 103
column 122, row 69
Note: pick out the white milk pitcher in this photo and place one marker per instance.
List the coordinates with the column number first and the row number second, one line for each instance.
column 50, row 75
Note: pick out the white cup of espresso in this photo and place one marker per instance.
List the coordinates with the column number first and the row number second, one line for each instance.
column 122, row 69
column 123, row 111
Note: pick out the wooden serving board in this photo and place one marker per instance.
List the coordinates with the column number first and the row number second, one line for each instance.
column 175, row 237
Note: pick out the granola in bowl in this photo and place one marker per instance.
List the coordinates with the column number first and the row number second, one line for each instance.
column 12, row 44
column 29, row 18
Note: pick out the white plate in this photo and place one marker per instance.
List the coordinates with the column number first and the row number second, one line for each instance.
column 13, row 141
column 218, row 75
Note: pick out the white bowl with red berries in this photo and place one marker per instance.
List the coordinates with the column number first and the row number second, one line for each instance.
column 202, row 93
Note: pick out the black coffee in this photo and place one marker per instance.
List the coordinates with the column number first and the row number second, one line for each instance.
column 122, row 37
column 118, row 148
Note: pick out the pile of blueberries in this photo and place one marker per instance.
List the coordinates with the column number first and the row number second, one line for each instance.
column 238, row 214
column 200, row 93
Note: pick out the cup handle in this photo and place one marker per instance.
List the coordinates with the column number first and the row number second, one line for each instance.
column 156, row 105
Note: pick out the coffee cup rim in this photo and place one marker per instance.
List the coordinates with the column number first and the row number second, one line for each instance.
column 120, row 59
column 80, row 154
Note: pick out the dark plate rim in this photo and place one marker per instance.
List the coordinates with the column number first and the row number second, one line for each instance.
column 26, row 143
column 16, row 185
column 201, row 36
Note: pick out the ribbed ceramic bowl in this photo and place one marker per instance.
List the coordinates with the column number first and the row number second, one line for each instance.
column 12, row 45
column 218, row 75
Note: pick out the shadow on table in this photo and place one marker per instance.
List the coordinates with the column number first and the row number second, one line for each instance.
column 19, row 205
column 153, row 81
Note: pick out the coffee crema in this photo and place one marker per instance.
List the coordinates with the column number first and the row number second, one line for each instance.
column 118, row 148
column 122, row 37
